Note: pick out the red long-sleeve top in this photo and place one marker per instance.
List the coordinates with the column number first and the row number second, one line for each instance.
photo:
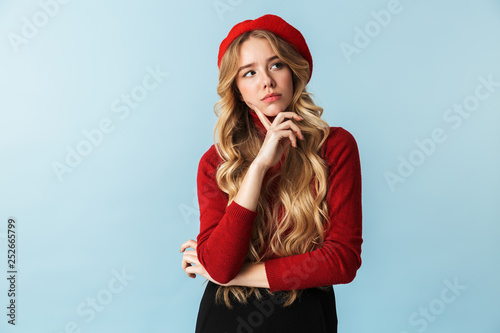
column 226, row 230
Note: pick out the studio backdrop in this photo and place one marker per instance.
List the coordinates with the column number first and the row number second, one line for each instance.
column 107, row 107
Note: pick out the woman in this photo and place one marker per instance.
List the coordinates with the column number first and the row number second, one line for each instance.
column 279, row 193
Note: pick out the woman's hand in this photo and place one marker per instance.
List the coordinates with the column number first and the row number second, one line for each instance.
column 251, row 274
column 280, row 134
column 190, row 263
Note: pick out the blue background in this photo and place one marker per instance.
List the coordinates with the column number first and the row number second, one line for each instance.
column 127, row 206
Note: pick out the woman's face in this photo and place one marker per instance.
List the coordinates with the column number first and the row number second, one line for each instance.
column 263, row 80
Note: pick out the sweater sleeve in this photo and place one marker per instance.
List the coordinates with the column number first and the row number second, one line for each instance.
column 339, row 258
column 225, row 230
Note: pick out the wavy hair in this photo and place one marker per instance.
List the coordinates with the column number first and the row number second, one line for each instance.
column 297, row 191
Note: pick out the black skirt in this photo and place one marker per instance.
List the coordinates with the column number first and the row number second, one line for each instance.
column 313, row 312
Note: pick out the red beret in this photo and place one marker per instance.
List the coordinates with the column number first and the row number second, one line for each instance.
column 274, row 24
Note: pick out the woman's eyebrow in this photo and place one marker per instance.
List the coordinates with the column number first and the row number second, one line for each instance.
column 252, row 64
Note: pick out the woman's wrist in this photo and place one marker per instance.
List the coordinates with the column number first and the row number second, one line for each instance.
column 258, row 167
column 249, row 192
column 251, row 275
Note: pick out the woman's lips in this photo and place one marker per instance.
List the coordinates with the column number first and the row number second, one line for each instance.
column 271, row 98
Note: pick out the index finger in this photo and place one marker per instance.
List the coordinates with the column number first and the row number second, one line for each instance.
column 262, row 117
column 190, row 243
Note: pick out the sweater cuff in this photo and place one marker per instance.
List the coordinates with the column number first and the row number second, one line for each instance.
column 240, row 213
column 273, row 275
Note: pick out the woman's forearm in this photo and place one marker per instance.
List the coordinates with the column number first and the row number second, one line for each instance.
column 249, row 192
column 251, row 275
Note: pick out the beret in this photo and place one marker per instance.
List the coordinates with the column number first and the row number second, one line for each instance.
column 274, row 24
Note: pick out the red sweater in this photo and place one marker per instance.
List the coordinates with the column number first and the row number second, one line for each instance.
column 225, row 231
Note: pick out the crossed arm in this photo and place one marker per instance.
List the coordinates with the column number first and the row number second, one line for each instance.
column 250, row 275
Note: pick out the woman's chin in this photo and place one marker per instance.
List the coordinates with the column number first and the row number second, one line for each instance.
column 273, row 110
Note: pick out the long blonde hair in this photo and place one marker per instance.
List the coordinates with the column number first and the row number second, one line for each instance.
column 299, row 188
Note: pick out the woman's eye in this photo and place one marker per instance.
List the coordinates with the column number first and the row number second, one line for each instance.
column 249, row 73
column 277, row 65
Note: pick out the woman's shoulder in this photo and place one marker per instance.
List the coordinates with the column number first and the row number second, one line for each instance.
column 339, row 142
column 340, row 134
column 211, row 157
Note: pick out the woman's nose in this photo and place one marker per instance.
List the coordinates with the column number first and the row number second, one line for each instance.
column 267, row 81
